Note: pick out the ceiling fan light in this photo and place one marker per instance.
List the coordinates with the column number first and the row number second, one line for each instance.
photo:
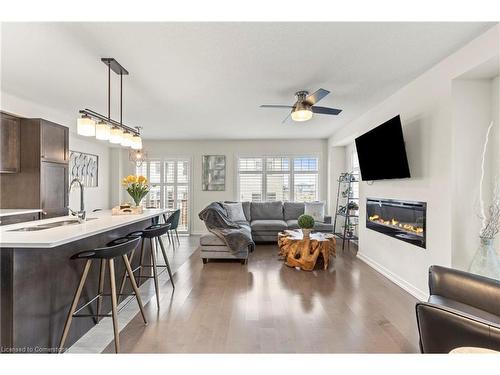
column 102, row 131
column 85, row 126
column 302, row 115
column 136, row 142
column 116, row 135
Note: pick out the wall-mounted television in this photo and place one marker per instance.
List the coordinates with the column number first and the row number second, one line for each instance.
column 382, row 152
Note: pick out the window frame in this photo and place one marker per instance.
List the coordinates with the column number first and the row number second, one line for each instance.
column 291, row 172
column 163, row 184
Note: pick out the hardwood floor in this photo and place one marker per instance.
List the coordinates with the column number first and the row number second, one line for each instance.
column 266, row 307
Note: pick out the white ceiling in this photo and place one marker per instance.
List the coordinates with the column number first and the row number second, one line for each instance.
column 207, row 80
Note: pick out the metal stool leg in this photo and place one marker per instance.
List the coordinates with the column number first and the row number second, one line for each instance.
column 102, row 273
column 141, row 260
column 166, row 262
column 112, row 284
column 72, row 309
column 155, row 273
column 168, row 236
column 177, row 235
column 134, row 287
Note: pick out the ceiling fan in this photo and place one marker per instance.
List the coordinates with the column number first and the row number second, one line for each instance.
column 304, row 107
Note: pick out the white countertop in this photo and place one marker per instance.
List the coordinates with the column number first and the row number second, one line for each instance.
column 47, row 238
column 17, row 211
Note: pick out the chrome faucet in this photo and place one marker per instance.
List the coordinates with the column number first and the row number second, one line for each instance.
column 79, row 214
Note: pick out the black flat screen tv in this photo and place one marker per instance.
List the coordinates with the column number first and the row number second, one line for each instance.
column 382, row 152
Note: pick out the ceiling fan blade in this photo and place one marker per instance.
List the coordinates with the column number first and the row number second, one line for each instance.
column 275, row 106
column 325, row 110
column 286, row 118
column 315, row 97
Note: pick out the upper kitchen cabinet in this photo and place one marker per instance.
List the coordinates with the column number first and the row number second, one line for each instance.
column 10, row 141
column 54, row 142
column 42, row 180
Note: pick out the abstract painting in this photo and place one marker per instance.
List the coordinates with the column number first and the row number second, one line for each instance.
column 84, row 167
column 214, row 173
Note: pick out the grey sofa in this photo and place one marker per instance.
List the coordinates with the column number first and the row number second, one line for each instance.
column 266, row 220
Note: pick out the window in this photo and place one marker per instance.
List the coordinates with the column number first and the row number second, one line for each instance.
column 170, row 184
column 278, row 178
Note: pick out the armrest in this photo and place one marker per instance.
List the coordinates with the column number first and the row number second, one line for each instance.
column 474, row 290
column 442, row 329
column 328, row 220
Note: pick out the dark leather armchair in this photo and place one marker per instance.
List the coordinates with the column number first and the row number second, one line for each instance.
column 463, row 310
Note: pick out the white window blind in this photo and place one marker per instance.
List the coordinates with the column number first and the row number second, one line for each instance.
column 170, row 185
column 278, row 178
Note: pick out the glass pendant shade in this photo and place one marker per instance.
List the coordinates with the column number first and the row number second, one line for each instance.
column 126, row 139
column 85, row 126
column 136, row 142
column 116, row 135
column 302, row 115
column 102, row 131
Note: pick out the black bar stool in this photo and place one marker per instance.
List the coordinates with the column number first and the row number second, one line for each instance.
column 117, row 248
column 153, row 233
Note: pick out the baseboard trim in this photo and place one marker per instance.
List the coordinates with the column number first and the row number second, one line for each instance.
column 403, row 284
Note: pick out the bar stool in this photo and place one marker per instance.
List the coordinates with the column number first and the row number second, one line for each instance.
column 117, row 248
column 153, row 233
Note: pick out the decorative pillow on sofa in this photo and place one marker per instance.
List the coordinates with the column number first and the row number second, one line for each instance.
column 316, row 210
column 235, row 211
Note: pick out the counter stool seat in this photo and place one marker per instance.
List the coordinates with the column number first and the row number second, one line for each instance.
column 153, row 233
column 115, row 249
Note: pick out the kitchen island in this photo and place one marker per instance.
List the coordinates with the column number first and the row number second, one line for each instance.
column 38, row 279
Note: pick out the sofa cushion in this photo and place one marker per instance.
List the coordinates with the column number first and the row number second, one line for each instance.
column 316, row 210
column 211, row 239
column 323, row 227
column 246, row 210
column 292, row 224
column 235, row 211
column 266, row 211
column 292, row 210
column 268, row 225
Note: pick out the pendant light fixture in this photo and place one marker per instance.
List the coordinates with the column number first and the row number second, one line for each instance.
column 102, row 131
column 106, row 128
column 116, row 135
column 136, row 140
column 85, row 126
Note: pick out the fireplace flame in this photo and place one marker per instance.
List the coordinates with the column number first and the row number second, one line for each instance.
column 395, row 223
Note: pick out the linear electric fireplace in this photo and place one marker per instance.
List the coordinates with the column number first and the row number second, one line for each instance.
column 403, row 220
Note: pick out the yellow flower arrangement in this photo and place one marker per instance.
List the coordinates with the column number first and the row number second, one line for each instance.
column 137, row 187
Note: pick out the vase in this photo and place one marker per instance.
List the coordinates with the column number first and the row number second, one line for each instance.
column 485, row 261
column 306, row 233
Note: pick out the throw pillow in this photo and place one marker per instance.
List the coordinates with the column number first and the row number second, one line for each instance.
column 235, row 211
column 316, row 210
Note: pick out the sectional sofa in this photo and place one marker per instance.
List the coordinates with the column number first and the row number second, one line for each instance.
column 265, row 220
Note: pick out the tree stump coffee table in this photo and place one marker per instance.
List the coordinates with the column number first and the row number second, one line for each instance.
column 301, row 252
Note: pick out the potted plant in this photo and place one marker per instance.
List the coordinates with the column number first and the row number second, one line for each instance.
column 137, row 187
column 306, row 223
column 352, row 208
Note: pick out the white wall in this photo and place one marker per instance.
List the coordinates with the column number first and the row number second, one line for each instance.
column 232, row 149
column 474, row 108
column 425, row 106
column 98, row 197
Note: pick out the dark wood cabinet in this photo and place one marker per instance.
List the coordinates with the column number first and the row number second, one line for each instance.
column 54, row 142
column 10, row 141
column 54, row 189
column 42, row 181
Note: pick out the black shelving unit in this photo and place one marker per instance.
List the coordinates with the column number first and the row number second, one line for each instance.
column 344, row 195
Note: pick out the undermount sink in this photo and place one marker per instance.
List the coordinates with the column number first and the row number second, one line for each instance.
column 55, row 224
